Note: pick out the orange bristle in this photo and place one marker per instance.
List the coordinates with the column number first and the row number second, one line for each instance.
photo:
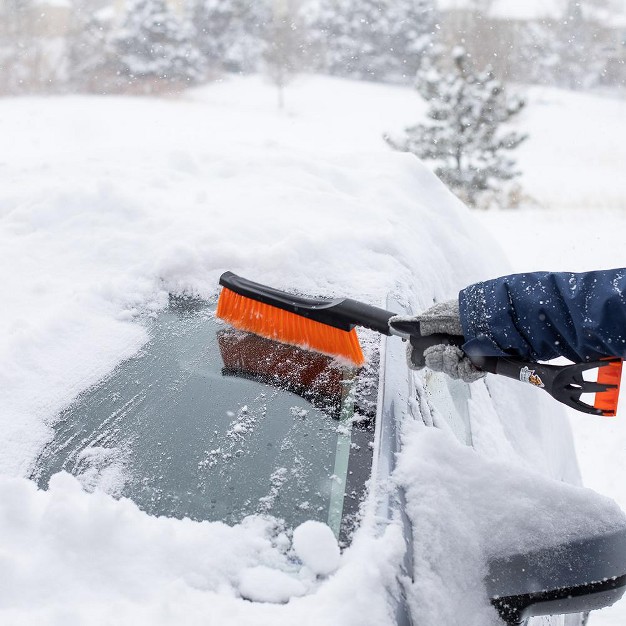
column 274, row 323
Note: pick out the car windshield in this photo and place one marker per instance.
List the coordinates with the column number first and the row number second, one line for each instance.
column 215, row 424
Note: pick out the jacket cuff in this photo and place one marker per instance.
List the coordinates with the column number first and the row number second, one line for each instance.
column 488, row 326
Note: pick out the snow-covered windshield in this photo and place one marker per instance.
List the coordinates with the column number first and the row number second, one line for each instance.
column 214, row 424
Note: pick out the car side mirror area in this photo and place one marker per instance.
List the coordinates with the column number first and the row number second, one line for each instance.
column 572, row 577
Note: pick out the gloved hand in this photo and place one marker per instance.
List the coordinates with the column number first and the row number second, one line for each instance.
column 447, row 359
column 443, row 318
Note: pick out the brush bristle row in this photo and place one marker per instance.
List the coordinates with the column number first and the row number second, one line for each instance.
column 274, row 323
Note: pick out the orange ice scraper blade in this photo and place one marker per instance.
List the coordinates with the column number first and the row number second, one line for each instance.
column 610, row 375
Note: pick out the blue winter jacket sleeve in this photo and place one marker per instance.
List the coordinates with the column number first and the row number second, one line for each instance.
column 544, row 315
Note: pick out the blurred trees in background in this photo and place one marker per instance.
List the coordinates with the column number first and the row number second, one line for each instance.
column 381, row 40
column 232, row 35
column 465, row 134
column 153, row 44
column 283, row 45
column 576, row 44
column 32, row 46
column 158, row 45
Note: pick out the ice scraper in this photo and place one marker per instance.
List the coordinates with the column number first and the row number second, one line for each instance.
column 328, row 326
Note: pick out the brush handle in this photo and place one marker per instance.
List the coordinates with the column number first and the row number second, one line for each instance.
column 564, row 383
column 361, row 314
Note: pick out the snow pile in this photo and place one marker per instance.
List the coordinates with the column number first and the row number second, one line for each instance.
column 265, row 584
column 508, row 493
column 471, row 509
column 316, row 547
column 67, row 556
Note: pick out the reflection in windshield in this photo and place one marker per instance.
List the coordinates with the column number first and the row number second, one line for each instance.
column 315, row 377
column 211, row 423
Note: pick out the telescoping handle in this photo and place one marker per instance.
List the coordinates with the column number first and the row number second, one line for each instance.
column 565, row 383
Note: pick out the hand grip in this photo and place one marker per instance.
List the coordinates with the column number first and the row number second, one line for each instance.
column 564, row 383
column 422, row 343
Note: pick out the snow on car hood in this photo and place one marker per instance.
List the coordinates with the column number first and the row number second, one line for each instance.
column 107, row 205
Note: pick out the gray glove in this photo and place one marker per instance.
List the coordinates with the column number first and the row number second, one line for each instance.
column 443, row 318
column 450, row 360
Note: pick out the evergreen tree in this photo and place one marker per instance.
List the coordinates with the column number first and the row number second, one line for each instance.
column 370, row 39
column 231, row 33
column 464, row 135
column 154, row 45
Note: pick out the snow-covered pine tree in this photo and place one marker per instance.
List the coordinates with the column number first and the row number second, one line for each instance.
column 369, row 39
column 464, row 135
column 155, row 46
column 231, row 33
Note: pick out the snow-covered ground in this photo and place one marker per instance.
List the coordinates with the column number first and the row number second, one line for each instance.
column 575, row 154
column 107, row 204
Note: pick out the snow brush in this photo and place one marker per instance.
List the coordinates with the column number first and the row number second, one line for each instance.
column 328, row 327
